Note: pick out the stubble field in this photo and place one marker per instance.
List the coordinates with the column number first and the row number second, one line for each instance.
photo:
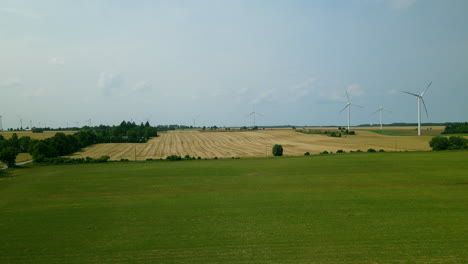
column 227, row 144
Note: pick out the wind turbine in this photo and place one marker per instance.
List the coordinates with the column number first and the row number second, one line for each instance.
column 195, row 119
column 420, row 99
column 348, row 105
column 1, row 126
column 381, row 109
column 254, row 113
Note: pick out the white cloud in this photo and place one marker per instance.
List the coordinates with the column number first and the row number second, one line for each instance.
column 142, row 87
column 288, row 94
column 396, row 4
column 57, row 61
column 11, row 83
column 355, row 90
column 300, row 90
column 21, row 13
column 109, row 83
column 392, row 91
column 263, row 96
column 401, row 4
column 339, row 95
column 34, row 92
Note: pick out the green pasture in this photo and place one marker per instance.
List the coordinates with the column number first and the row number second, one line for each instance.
column 343, row 208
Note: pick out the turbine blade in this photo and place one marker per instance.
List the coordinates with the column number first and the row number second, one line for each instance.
column 357, row 105
column 422, row 94
column 424, row 104
column 375, row 112
column 411, row 93
column 347, row 96
column 344, row 108
column 259, row 114
column 251, row 114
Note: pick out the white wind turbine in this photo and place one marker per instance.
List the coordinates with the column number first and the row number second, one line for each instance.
column 348, row 105
column 254, row 113
column 420, row 99
column 381, row 109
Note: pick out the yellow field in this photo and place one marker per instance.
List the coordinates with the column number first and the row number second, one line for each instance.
column 250, row 144
column 44, row 135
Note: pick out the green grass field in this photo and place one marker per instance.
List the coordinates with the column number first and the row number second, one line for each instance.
column 389, row 133
column 349, row 208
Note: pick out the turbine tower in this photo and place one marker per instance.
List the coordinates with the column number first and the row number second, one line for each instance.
column 254, row 113
column 381, row 109
column 348, row 105
column 420, row 99
column 1, row 126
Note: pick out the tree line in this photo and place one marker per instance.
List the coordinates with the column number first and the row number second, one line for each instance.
column 62, row 145
column 456, row 128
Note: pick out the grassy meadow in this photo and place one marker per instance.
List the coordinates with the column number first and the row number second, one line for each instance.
column 409, row 207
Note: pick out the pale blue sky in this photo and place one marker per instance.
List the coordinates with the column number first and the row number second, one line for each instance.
column 170, row 61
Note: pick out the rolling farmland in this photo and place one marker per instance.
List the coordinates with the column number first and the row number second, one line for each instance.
column 208, row 144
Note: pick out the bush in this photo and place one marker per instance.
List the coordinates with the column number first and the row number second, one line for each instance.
column 37, row 130
column 123, row 160
column 324, row 152
column 173, row 158
column 277, row 150
column 62, row 160
column 439, row 143
column 102, row 159
column 307, row 154
column 8, row 156
column 381, row 150
column 457, row 142
column 371, row 150
column 340, row 151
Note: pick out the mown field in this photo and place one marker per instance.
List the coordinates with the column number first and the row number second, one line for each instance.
column 250, row 144
column 409, row 207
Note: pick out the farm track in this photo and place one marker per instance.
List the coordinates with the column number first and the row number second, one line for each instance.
column 250, row 144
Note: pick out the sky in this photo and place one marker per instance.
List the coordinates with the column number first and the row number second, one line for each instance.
column 209, row 62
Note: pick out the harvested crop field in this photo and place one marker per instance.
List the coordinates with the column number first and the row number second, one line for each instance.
column 250, row 144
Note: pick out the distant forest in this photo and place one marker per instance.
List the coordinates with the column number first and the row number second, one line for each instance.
column 456, row 128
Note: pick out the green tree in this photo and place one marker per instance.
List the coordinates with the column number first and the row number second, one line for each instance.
column 439, row 143
column 13, row 141
column 277, row 150
column 8, row 156
column 457, row 142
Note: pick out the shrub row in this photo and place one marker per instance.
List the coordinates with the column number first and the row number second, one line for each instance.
column 444, row 143
column 61, row 160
